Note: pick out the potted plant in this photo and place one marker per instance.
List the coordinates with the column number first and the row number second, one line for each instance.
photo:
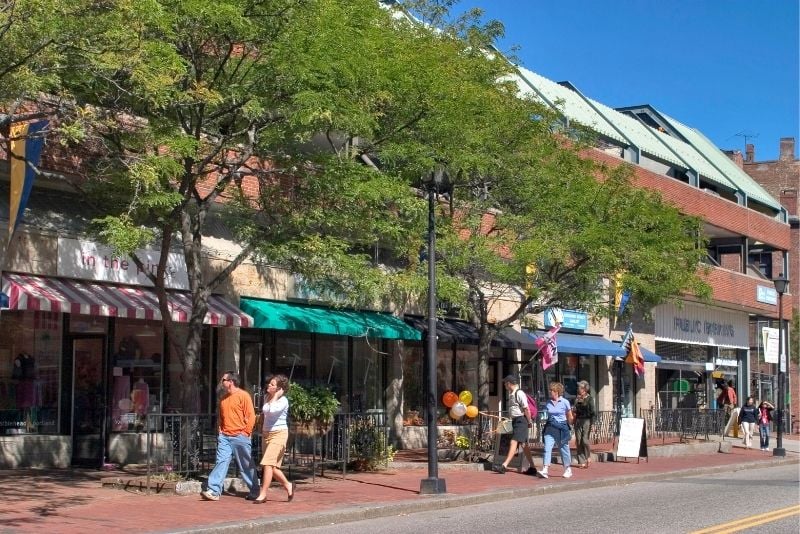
column 369, row 446
column 311, row 411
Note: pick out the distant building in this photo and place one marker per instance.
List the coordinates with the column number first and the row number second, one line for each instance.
column 781, row 178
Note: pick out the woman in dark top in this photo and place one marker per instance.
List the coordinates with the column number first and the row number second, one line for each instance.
column 584, row 421
column 748, row 417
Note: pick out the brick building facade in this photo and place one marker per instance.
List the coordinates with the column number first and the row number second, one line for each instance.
column 781, row 178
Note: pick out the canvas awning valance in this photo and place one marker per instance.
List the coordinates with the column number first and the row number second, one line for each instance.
column 463, row 333
column 43, row 293
column 323, row 320
column 586, row 344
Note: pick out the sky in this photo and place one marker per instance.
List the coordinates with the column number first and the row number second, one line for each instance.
column 728, row 68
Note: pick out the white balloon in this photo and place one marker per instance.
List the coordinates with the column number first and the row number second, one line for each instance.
column 459, row 409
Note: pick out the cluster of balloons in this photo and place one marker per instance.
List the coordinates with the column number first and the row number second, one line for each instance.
column 459, row 405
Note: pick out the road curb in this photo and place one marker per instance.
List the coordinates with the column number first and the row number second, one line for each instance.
column 441, row 502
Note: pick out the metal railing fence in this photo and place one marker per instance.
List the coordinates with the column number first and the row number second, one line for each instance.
column 684, row 423
column 185, row 444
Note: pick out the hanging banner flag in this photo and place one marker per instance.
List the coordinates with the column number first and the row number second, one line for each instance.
column 621, row 296
column 26, row 150
column 548, row 346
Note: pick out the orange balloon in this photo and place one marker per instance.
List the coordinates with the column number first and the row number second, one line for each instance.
column 472, row 411
column 449, row 399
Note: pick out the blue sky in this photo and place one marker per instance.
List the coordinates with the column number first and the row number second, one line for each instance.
column 725, row 67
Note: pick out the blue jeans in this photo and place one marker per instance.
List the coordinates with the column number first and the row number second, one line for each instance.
column 240, row 449
column 549, row 442
column 763, row 433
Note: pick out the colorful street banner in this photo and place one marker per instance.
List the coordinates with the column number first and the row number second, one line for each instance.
column 26, row 151
column 548, row 346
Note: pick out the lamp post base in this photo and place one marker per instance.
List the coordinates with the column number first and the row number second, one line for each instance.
column 432, row 486
column 778, row 451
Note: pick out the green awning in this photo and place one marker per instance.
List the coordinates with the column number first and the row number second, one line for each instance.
column 322, row 320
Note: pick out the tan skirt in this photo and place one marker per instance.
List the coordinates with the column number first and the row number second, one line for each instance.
column 274, row 447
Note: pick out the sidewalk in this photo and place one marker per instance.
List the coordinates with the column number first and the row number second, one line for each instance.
column 73, row 500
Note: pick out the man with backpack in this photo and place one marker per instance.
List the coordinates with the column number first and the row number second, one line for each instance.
column 521, row 421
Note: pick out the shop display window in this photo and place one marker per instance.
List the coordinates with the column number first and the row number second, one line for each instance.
column 467, row 370
column 293, row 357
column 331, row 366
column 30, row 371
column 368, row 372
column 136, row 373
column 413, row 397
column 569, row 370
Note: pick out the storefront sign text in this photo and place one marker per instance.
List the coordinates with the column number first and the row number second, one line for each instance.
column 690, row 326
column 92, row 261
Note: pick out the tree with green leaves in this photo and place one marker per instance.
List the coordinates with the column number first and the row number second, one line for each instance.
column 302, row 124
column 46, row 45
column 533, row 223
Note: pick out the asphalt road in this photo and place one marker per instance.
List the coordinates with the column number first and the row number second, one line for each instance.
column 764, row 500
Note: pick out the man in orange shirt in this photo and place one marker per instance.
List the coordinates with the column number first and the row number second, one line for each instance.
column 236, row 420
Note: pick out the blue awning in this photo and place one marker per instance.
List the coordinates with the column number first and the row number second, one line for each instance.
column 586, row 344
column 649, row 355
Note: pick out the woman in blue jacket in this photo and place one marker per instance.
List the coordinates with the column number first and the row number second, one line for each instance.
column 556, row 429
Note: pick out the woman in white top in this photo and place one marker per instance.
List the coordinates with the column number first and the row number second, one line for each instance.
column 275, row 433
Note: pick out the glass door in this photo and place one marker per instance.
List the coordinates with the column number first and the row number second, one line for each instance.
column 88, row 403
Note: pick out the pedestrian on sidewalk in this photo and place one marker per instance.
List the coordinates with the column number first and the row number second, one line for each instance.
column 764, row 419
column 584, row 422
column 556, row 430
column 748, row 416
column 521, row 421
column 236, row 420
column 728, row 402
column 275, row 434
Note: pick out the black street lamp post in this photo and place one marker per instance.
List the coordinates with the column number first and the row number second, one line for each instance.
column 435, row 183
column 781, row 286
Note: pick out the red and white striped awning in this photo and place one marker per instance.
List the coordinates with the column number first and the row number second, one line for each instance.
column 29, row 292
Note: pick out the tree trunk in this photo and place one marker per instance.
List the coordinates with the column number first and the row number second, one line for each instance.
column 484, row 351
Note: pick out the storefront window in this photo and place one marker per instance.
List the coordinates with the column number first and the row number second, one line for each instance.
column 570, row 369
column 331, row 366
column 444, row 371
column 467, row 370
column 136, row 370
column 681, row 389
column 368, row 365
column 293, row 357
column 30, row 370
column 413, row 385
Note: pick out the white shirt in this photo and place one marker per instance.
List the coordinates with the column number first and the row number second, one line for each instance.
column 275, row 415
column 515, row 400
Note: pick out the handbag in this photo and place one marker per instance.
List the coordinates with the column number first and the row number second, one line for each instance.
column 505, row 426
column 259, row 424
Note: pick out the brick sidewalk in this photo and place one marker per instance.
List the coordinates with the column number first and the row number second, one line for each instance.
column 73, row 501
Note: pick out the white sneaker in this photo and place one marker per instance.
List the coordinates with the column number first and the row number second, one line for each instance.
column 542, row 473
column 209, row 495
column 568, row 472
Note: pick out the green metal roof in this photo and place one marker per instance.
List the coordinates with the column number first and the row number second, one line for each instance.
column 723, row 163
column 698, row 154
column 323, row 320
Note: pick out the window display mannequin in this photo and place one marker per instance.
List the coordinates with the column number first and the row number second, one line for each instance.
column 140, row 396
